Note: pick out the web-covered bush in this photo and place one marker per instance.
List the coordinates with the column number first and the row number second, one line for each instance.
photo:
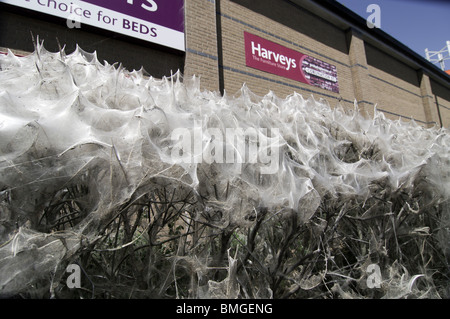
column 90, row 175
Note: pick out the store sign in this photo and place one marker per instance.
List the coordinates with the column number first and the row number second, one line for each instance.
column 157, row 21
column 276, row 59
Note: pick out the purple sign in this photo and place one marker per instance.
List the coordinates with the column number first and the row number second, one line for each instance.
column 157, row 21
column 167, row 13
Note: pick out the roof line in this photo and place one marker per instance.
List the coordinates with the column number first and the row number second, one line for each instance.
column 353, row 19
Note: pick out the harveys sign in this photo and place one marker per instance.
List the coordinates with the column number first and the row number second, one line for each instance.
column 276, row 59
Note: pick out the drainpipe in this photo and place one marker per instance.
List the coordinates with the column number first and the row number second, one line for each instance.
column 219, row 47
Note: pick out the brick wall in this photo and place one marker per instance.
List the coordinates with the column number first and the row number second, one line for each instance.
column 360, row 79
column 201, row 43
column 366, row 74
column 269, row 22
column 441, row 96
column 396, row 88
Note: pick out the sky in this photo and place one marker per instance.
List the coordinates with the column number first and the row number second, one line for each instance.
column 418, row 24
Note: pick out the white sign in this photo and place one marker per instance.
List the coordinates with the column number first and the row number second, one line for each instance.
column 157, row 21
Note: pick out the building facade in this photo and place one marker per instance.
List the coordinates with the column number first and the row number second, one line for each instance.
column 314, row 48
